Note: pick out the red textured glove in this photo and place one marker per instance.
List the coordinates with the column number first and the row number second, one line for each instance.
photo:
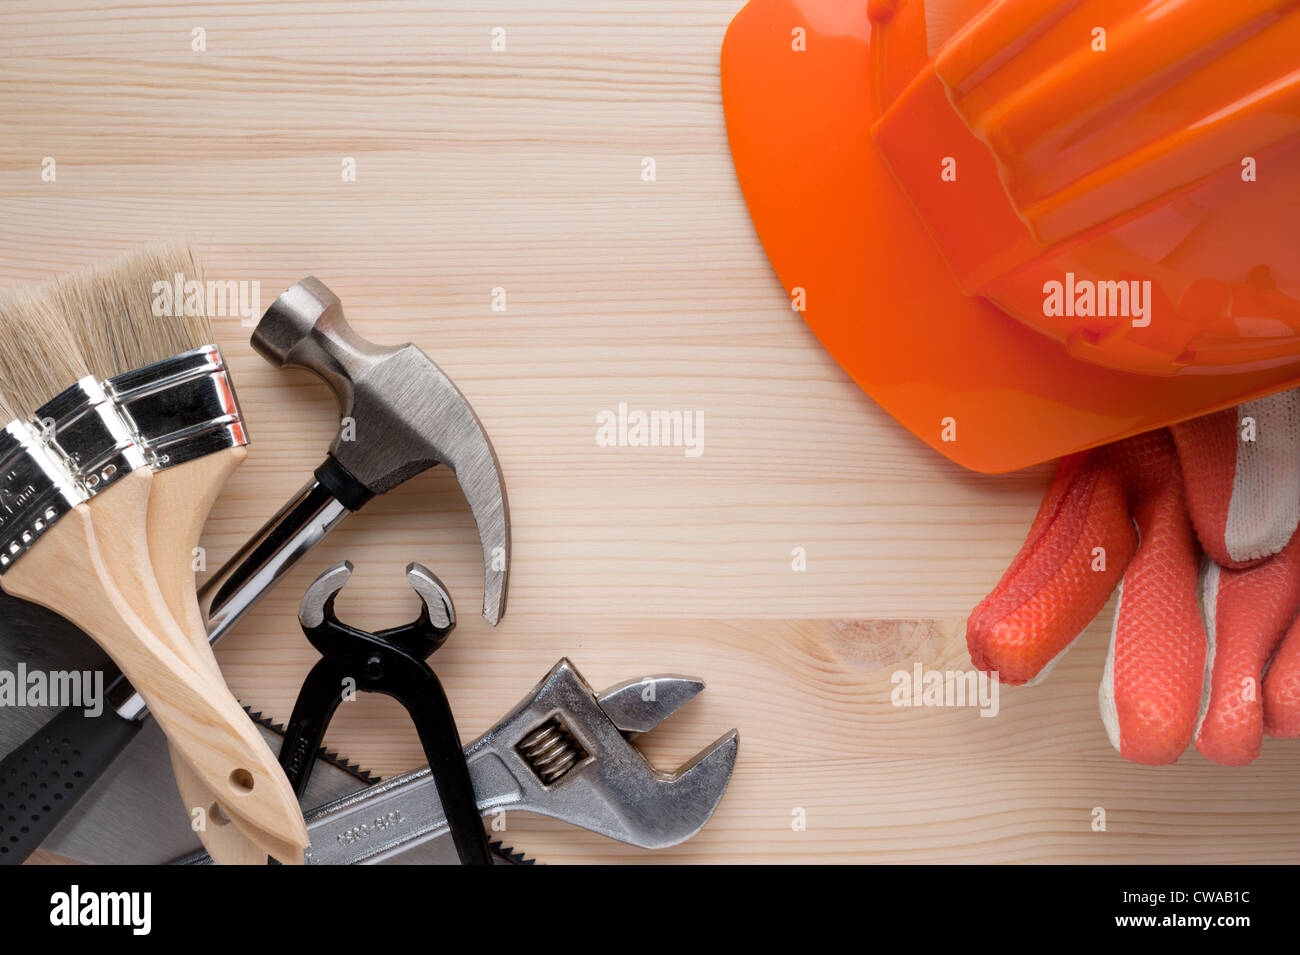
column 1204, row 645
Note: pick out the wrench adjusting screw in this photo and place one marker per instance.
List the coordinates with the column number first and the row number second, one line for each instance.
column 551, row 751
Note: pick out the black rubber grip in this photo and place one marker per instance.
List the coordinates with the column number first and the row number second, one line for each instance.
column 44, row 777
column 338, row 480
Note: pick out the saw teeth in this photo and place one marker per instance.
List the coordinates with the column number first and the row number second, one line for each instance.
column 334, row 759
column 510, row 855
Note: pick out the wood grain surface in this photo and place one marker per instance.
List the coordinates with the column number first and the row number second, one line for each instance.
column 522, row 170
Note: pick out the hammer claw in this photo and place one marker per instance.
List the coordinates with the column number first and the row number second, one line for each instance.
column 474, row 462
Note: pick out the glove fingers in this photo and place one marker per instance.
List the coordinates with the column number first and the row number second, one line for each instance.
column 1242, row 485
column 1247, row 613
column 1151, row 688
column 1078, row 545
column 1282, row 688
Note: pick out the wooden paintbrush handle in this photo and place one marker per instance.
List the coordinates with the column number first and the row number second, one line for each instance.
column 179, row 503
column 226, row 843
column 180, row 500
column 173, row 505
column 69, row 572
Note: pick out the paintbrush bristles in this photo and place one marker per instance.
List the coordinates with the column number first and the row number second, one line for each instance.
column 102, row 320
column 39, row 356
column 121, row 318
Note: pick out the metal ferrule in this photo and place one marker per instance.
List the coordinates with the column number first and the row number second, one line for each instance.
column 35, row 491
column 82, row 427
column 180, row 408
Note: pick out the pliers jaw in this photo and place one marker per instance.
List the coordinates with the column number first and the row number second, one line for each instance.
column 420, row 638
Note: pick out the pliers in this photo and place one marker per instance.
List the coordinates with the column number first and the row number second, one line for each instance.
column 391, row 662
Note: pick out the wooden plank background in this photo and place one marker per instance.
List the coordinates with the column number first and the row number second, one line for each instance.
column 522, row 169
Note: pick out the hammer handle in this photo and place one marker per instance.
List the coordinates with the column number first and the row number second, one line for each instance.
column 270, row 554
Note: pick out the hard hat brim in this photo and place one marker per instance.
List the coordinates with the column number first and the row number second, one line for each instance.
column 975, row 384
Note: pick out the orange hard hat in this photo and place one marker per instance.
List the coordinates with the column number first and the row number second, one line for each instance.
column 1029, row 227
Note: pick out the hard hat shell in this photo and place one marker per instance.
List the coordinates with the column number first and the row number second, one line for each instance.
column 1028, row 227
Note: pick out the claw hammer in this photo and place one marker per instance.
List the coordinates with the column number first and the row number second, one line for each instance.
column 405, row 416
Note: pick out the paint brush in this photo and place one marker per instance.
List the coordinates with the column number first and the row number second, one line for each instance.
column 153, row 346
column 74, row 538
column 155, row 352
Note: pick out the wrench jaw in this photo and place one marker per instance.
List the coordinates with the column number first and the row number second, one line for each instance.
column 685, row 800
column 638, row 706
column 608, row 786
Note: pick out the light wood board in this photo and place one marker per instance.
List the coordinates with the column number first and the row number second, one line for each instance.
column 523, row 170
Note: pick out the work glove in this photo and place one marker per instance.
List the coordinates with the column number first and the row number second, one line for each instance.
column 1199, row 520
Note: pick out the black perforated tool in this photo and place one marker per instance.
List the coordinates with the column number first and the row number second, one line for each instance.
column 53, row 768
column 391, row 662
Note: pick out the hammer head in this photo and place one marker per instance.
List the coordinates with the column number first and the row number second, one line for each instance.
column 400, row 416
